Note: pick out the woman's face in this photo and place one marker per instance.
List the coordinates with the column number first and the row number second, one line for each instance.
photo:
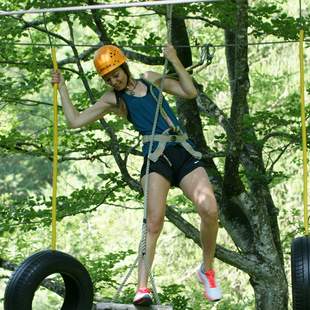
column 117, row 79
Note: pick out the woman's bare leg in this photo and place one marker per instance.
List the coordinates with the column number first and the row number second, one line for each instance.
column 157, row 196
column 197, row 187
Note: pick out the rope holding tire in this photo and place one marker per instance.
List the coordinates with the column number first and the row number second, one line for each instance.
column 55, row 153
column 26, row 279
column 300, row 247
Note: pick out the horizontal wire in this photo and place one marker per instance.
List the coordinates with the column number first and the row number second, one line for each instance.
column 103, row 6
column 150, row 46
column 144, row 46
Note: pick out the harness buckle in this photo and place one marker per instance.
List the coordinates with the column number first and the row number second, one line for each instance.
column 173, row 138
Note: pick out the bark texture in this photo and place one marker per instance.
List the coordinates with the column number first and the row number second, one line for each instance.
column 247, row 210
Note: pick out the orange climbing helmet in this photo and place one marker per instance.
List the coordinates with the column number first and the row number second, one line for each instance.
column 107, row 58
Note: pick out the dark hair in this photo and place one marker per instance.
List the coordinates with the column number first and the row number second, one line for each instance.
column 125, row 67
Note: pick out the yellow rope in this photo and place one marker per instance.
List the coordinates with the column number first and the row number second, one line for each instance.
column 303, row 127
column 55, row 154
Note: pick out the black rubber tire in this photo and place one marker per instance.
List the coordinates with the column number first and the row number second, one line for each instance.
column 26, row 279
column 300, row 267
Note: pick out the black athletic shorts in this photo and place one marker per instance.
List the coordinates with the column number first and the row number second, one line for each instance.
column 174, row 164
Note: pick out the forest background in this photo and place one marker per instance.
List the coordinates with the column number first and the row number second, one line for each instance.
column 246, row 121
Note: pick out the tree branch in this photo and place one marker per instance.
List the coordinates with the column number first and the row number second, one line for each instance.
column 246, row 263
column 114, row 141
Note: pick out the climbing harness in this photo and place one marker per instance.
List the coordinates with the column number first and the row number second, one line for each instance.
column 172, row 134
column 168, row 136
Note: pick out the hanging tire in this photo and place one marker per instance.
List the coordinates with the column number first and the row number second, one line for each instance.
column 26, row 279
column 300, row 267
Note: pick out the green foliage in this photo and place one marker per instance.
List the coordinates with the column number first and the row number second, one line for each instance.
column 268, row 18
column 28, row 210
column 272, row 126
column 104, row 270
column 174, row 295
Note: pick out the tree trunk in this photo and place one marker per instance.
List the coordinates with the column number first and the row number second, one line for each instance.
column 270, row 293
column 268, row 280
column 246, row 207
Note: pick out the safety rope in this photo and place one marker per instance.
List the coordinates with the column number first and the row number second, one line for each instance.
column 143, row 243
column 146, row 188
column 55, row 142
column 162, row 111
column 303, row 123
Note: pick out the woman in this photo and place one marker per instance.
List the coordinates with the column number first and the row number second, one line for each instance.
column 174, row 162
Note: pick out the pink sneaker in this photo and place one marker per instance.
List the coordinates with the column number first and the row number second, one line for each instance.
column 212, row 289
column 143, row 297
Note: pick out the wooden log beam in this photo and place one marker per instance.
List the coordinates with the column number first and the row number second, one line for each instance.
column 114, row 306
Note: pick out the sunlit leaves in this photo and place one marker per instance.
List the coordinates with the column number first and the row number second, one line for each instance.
column 105, row 270
column 267, row 18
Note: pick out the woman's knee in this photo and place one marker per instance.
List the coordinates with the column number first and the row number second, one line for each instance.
column 154, row 226
column 207, row 207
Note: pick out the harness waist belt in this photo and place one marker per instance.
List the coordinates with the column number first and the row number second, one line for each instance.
column 164, row 138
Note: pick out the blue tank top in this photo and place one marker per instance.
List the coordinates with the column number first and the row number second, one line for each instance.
column 141, row 112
